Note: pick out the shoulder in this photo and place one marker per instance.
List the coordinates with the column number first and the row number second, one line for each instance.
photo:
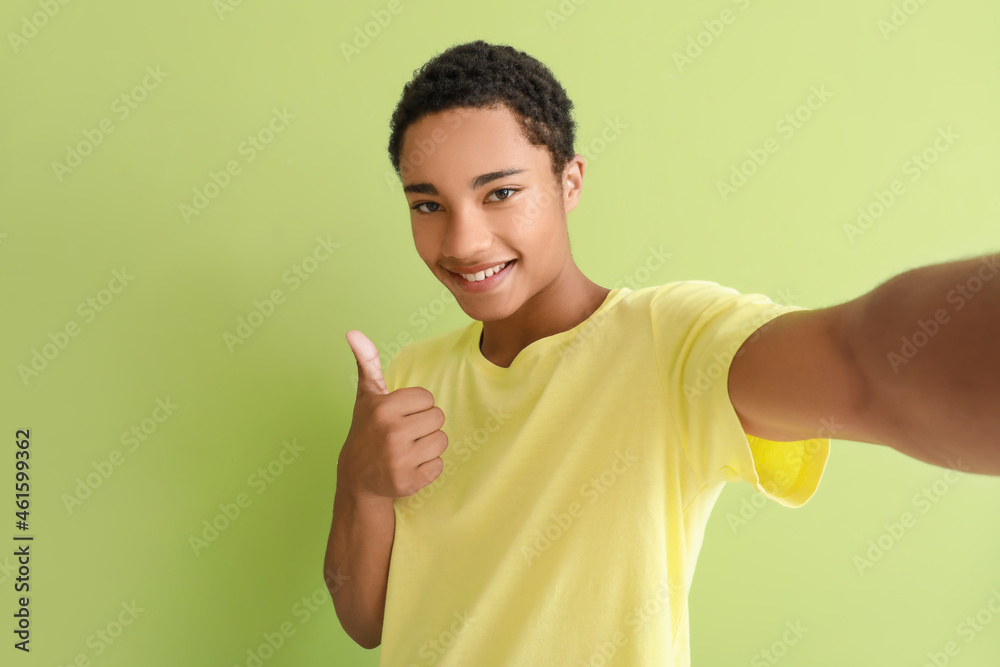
column 697, row 300
column 693, row 295
column 419, row 355
column 690, row 291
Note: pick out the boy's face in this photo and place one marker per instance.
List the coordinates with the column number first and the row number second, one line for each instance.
column 461, row 226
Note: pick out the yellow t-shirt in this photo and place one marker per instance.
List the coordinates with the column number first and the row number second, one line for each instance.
column 566, row 524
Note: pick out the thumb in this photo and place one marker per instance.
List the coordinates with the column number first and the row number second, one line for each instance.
column 369, row 367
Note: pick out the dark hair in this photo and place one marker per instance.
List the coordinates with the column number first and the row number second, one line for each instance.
column 479, row 75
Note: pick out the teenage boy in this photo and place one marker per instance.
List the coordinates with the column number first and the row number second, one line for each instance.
column 540, row 479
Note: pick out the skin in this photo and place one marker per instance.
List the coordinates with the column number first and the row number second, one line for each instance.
column 520, row 216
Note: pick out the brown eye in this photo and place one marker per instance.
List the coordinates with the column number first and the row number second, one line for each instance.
column 509, row 190
column 416, row 207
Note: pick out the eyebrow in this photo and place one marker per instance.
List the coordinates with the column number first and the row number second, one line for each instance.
column 474, row 184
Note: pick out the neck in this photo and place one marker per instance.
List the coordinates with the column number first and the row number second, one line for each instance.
column 561, row 305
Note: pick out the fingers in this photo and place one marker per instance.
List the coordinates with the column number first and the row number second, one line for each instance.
column 370, row 378
column 425, row 422
column 412, row 400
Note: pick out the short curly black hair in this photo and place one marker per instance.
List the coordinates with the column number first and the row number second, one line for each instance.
column 480, row 75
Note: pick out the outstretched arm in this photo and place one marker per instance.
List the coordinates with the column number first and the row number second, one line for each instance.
column 913, row 364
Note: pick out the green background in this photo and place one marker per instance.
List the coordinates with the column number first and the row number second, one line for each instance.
column 326, row 174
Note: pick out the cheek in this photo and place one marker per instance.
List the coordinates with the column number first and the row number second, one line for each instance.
column 425, row 245
column 540, row 209
column 528, row 220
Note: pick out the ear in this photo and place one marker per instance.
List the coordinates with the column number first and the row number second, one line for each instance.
column 572, row 182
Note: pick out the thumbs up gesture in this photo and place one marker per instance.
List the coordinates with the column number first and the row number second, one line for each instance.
column 394, row 446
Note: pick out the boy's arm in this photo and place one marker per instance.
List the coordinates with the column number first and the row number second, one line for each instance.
column 358, row 551
column 913, row 365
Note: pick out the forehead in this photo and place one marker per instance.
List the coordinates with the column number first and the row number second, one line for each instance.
column 457, row 144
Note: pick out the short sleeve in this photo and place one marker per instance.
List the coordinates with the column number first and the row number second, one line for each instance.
column 698, row 327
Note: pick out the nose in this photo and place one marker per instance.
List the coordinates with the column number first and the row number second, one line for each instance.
column 467, row 237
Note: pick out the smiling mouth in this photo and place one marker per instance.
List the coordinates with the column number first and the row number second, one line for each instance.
column 481, row 282
column 483, row 275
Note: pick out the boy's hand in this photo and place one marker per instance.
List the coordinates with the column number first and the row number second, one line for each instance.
column 395, row 443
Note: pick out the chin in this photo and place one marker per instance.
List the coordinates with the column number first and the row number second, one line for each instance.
column 478, row 310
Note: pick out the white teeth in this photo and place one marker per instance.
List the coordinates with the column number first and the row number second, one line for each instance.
column 483, row 275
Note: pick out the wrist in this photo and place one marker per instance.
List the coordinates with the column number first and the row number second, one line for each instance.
column 354, row 496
